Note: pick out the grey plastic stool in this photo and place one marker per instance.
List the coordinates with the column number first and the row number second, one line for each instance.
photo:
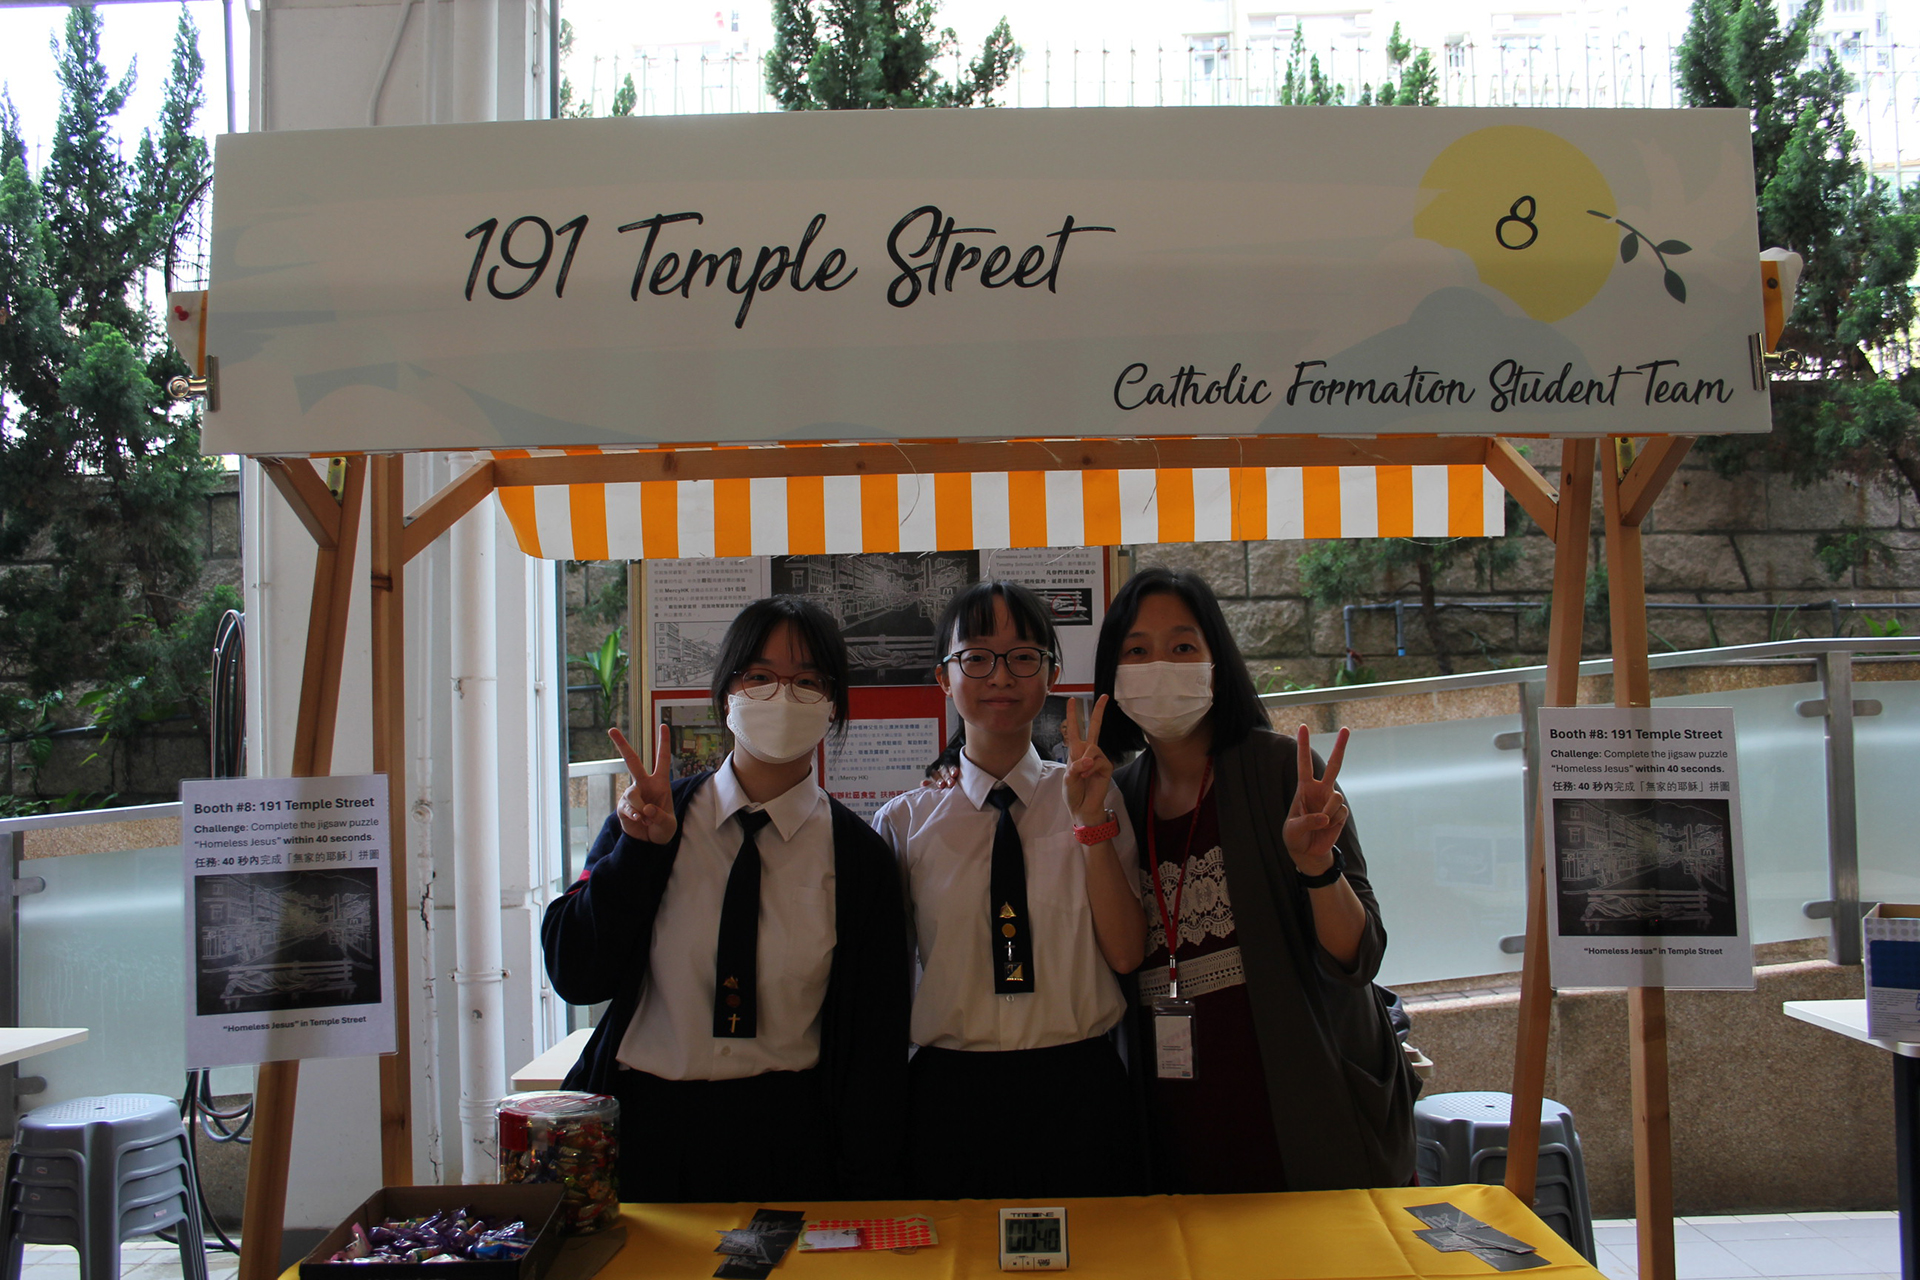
column 94, row 1172
column 1462, row 1137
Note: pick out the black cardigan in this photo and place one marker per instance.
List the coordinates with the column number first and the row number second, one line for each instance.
column 1339, row 1088
column 599, row 934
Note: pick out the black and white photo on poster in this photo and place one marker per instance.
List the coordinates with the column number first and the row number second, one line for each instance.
column 1647, row 879
column 289, row 949
column 1071, row 582
column 1645, row 868
column 689, row 604
column 291, row 940
column 887, row 605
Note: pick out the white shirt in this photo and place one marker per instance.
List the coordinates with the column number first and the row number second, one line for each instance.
column 944, row 840
column 671, row 1034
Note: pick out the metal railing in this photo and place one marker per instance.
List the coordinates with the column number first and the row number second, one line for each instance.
column 1400, row 608
column 1510, row 69
column 1834, row 662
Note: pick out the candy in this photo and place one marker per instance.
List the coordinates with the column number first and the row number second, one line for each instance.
column 570, row 1138
column 457, row 1235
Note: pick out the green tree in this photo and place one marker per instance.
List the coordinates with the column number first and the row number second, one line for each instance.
column 1860, row 239
column 1304, row 84
column 1419, row 82
column 570, row 109
column 849, row 54
column 102, row 487
column 625, row 98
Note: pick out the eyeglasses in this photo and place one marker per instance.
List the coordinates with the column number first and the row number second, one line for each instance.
column 763, row 685
column 978, row 664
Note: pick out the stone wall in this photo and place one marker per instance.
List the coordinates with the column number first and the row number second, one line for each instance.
column 1747, row 541
column 1770, row 1115
column 149, row 769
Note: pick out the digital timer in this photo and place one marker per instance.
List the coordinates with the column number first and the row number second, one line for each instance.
column 1033, row 1239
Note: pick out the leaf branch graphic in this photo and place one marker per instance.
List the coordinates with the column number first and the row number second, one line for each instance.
column 1630, row 248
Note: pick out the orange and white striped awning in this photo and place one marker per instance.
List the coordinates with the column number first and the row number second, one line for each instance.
column 960, row 511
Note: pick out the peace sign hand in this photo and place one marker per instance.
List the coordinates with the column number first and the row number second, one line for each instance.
column 646, row 808
column 1088, row 769
column 1319, row 812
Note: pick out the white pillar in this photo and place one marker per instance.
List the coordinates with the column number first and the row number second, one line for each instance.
column 476, row 840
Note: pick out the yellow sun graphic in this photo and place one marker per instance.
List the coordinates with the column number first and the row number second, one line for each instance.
column 1522, row 203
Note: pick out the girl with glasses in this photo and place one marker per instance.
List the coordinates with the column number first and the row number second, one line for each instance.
column 1292, row 1078
column 748, row 931
column 1020, row 884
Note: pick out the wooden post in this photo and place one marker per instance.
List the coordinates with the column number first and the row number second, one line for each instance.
column 388, row 567
column 1628, row 487
column 1573, row 519
column 336, row 528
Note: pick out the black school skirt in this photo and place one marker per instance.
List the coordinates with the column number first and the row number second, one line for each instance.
column 1021, row 1124
column 757, row 1140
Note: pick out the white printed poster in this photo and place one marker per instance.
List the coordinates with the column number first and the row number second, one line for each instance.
column 1072, row 583
column 878, row 759
column 1646, row 872
column 289, row 938
column 689, row 604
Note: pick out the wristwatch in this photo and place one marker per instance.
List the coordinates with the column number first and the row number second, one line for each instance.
column 1107, row 830
column 1332, row 873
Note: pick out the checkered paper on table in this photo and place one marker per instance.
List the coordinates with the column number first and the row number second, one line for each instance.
column 881, row 1233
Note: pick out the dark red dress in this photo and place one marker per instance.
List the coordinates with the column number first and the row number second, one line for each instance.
column 1213, row 1133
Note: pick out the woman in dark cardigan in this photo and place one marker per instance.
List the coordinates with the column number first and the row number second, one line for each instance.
column 1277, row 932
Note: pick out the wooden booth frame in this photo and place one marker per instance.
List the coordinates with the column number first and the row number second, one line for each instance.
column 1632, row 474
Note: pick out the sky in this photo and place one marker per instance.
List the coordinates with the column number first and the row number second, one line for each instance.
column 139, row 34
column 145, row 27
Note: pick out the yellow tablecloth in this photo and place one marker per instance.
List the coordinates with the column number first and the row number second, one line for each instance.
column 1306, row 1235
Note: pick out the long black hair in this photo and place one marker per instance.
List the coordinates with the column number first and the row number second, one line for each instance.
column 819, row 634
column 1236, row 703
column 970, row 613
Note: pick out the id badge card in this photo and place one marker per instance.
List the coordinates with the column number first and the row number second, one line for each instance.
column 1173, row 1038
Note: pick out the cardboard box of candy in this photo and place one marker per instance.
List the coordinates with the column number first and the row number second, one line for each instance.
column 417, row 1233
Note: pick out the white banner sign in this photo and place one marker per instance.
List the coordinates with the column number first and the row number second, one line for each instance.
column 986, row 274
column 1648, row 879
column 290, row 941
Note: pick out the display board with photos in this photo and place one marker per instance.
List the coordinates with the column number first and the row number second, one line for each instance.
column 887, row 607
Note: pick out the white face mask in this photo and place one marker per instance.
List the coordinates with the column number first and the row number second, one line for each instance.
column 777, row 730
column 1166, row 699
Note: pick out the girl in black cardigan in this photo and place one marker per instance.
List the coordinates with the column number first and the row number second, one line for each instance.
column 776, row 1075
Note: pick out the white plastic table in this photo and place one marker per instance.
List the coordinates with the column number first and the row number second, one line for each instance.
column 23, row 1042
column 551, row 1067
column 1849, row 1018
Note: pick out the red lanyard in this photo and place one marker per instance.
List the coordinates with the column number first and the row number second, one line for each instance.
column 1169, row 920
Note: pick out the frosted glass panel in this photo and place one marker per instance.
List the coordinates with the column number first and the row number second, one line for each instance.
column 1439, row 808
column 104, row 948
column 1783, row 804
column 1886, row 761
column 1440, row 811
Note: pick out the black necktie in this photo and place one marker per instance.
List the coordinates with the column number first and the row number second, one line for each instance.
column 1012, row 939
column 737, row 959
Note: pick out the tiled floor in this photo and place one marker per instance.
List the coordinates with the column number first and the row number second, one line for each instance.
column 147, row 1259
column 1833, row 1246
column 1836, row 1246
